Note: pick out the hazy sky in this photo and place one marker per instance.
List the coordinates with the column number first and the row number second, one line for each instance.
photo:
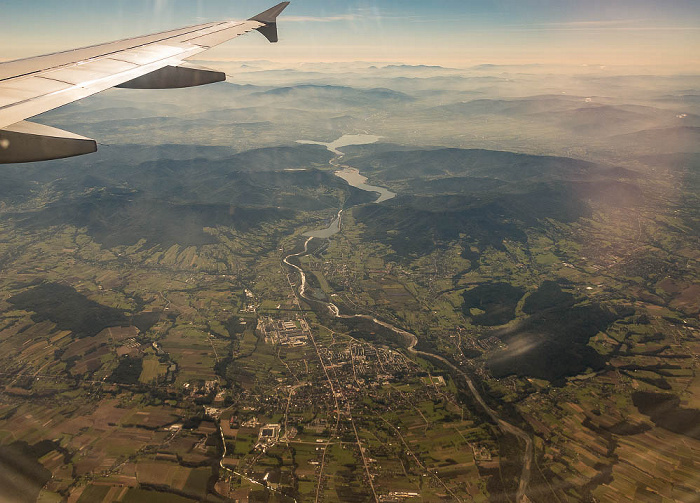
column 453, row 32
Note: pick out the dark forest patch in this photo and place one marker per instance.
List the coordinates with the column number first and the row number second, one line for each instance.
column 68, row 309
column 553, row 344
column 419, row 225
column 547, row 296
column 497, row 300
column 368, row 330
column 171, row 202
column 128, row 371
column 507, row 166
column 146, row 320
column 665, row 411
column 472, row 256
column 124, row 219
column 235, row 326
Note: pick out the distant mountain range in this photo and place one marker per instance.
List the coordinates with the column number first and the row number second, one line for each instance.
column 172, row 201
column 388, row 165
column 486, row 196
column 663, row 140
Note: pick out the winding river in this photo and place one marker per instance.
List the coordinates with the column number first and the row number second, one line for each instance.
column 354, row 178
column 332, row 229
column 411, row 341
column 348, row 173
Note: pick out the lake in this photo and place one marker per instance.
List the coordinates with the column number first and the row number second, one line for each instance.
column 344, row 141
column 354, row 178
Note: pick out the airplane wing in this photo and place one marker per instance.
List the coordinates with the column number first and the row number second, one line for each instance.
column 32, row 86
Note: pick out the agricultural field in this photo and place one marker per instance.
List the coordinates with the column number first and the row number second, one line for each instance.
column 518, row 322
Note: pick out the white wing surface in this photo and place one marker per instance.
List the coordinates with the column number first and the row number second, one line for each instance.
column 32, row 86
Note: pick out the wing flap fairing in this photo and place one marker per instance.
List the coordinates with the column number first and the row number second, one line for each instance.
column 175, row 77
column 29, row 142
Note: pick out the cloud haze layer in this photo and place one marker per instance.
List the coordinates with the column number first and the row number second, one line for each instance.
column 459, row 33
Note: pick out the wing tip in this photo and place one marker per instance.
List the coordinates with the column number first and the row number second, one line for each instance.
column 270, row 15
column 269, row 20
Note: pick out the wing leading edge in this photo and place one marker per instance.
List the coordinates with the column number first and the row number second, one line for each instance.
column 32, row 86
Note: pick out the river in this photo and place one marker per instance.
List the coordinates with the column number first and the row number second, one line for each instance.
column 411, row 341
column 351, row 175
column 332, row 229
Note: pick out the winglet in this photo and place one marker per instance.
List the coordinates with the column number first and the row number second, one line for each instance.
column 269, row 18
column 270, row 15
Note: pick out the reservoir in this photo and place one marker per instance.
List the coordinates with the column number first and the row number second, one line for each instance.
column 351, row 175
column 344, row 141
column 354, row 178
column 347, row 173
